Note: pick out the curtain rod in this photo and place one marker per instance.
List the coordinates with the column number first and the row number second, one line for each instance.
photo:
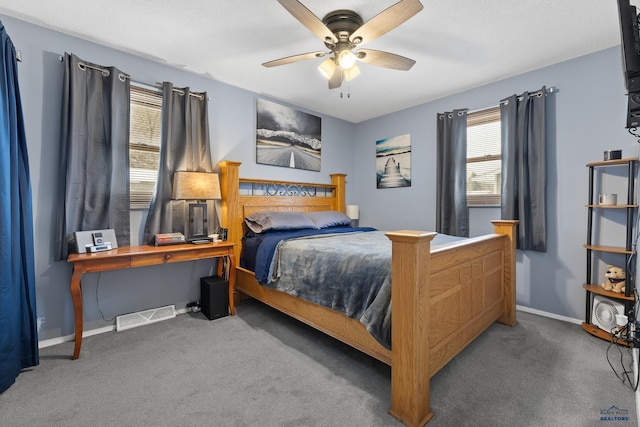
column 551, row 89
column 105, row 72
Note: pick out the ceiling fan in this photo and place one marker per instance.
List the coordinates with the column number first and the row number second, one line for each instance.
column 342, row 31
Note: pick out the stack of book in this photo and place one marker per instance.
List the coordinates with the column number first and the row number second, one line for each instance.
column 164, row 239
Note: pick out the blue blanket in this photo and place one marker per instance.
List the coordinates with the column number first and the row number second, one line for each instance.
column 271, row 240
column 348, row 272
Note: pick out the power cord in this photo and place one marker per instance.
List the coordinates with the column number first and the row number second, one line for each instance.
column 617, row 334
column 98, row 300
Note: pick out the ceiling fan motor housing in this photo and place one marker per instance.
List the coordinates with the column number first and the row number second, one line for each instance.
column 342, row 23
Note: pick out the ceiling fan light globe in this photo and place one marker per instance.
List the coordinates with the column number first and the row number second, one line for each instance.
column 327, row 68
column 352, row 73
column 346, row 59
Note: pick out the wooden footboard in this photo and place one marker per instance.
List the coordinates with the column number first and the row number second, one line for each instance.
column 448, row 295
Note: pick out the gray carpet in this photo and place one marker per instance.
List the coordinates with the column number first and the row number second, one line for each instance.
column 261, row 368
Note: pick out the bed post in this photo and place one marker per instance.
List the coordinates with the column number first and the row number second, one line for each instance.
column 508, row 228
column 410, row 374
column 229, row 185
column 339, row 179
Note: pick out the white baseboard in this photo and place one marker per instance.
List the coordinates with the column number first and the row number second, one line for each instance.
column 105, row 329
column 66, row 338
column 547, row 314
column 97, row 331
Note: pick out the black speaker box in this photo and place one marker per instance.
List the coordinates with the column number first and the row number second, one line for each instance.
column 214, row 297
column 633, row 110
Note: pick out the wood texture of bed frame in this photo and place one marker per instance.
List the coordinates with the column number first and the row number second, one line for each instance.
column 448, row 295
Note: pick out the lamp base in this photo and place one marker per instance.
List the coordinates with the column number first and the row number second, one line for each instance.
column 197, row 228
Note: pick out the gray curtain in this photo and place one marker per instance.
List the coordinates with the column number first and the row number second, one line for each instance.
column 184, row 146
column 94, row 169
column 524, row 167
column 452, row 212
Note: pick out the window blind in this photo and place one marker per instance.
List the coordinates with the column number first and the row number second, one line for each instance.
column 144, row 144
column 484, row 170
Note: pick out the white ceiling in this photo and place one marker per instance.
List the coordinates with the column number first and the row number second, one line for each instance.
column 457, row 44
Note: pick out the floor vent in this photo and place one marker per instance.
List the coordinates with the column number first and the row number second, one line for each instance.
column 133, row 320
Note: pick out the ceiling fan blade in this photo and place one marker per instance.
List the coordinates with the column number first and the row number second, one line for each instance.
column 309, row 20
column 294, row 58
column 336, row 79
column 385, row 59
column 386, row 21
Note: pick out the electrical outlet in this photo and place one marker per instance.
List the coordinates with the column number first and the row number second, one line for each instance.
column 194, row 306
column 41, row 321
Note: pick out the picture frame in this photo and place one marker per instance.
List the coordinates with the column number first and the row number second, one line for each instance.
column 393, row 162
column 287, row 137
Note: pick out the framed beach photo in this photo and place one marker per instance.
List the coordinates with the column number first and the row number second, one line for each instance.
column 393, row 162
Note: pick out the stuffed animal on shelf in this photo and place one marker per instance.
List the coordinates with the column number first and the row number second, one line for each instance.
column 614, row 279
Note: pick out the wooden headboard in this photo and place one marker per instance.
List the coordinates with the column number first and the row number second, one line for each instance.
column 242, row 197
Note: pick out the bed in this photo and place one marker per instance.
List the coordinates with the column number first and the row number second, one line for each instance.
column 460, row 288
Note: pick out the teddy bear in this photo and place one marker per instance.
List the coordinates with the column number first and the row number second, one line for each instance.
column 614, row 279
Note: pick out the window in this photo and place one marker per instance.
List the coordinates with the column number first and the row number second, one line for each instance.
column 484, row 170
column 144, row 144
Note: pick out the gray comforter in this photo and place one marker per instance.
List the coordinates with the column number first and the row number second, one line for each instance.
column 350, row 273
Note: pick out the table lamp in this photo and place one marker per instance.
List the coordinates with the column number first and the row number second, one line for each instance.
column 198, row 186
column 353, row 212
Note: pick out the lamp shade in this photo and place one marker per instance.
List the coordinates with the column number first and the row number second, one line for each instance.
column 327, row 68
column 353, row 211
column 352, row 73
column 195, row 186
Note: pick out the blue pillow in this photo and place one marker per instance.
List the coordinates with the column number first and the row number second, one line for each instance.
column 324, row 219
column 262, row 221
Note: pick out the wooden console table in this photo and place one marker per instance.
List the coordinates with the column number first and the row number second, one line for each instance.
column 141, row 256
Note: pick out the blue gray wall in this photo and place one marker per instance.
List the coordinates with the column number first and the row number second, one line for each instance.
column 232, row 135
column 589, row 114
